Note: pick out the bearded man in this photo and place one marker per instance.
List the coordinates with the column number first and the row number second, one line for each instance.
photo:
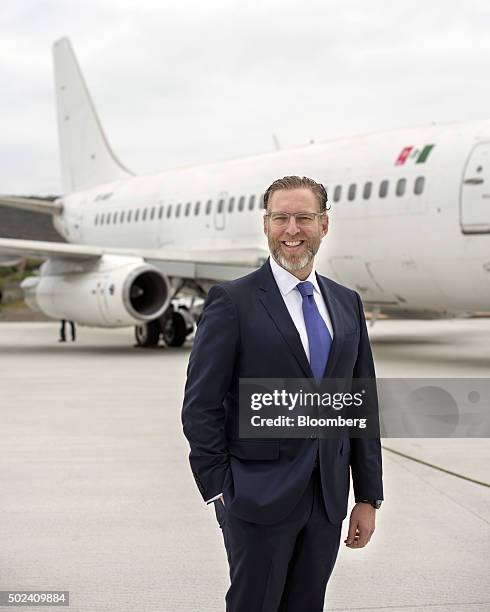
column 281, row 503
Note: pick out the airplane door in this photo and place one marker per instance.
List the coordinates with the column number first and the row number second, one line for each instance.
column 475, row 192
column 219, row 211
column 355, row 273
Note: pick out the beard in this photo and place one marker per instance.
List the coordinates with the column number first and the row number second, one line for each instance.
column 290, row 261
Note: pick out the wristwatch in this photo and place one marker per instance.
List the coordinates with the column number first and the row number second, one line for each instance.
column 375, row 503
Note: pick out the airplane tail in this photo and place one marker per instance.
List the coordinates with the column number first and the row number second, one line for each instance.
column 87, row 159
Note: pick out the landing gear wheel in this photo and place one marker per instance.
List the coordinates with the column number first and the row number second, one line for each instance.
column 147, row 334
column 174, row 330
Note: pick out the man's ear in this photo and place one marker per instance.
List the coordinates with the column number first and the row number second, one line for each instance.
column 325, row 221
column 266, row 225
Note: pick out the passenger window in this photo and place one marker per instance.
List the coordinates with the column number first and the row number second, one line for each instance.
column 197, row 208
column 96, row 222
column 351, row 194
column 169, row 211
column 241, row 203
column 160, row 212
column 251, row 203
column 231, row 204
column 152, row 213
column 130, row 212
column 208, row 206
column 366, row 192
column 337, row 193
column 187, row 209
column 383, row 189
column 261, row 201
column 400, row 186
column 418, row 188
column 143, row 216
column 220, row 205
column 177, row 210
column 137, row 214
column 121, row 217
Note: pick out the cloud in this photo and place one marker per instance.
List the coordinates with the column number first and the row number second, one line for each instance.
column 187, row 82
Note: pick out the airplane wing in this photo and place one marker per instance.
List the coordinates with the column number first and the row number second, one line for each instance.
column 216, row 264
column 34, row 204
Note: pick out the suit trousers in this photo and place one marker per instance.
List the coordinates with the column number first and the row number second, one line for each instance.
column 283, row 567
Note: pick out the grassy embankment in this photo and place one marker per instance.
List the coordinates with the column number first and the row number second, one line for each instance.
column 10, row 279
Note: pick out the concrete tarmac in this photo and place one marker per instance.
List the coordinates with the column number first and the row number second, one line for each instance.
column 97, row 497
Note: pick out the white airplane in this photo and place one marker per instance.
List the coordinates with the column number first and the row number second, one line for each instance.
column 409, row 230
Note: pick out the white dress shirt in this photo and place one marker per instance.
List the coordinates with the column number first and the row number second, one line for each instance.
column 294, row 302
column 286, row 283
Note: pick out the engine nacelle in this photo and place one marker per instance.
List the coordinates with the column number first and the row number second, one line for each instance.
column 112, row 291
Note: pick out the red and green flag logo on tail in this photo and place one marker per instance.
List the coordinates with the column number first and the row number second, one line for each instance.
column 418, row 156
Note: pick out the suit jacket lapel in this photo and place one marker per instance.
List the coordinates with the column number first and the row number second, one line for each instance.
column 272, row 300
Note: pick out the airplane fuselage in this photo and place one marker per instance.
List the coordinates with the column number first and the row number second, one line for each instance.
column 409, row 218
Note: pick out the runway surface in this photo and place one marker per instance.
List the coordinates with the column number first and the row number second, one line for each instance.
column 97, row 497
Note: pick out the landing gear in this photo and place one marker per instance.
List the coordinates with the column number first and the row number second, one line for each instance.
column 177, row 322
column 174, row 326
column 175, row 330
column 147, row 334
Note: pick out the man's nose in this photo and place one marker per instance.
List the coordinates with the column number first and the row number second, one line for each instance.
column 292, row 227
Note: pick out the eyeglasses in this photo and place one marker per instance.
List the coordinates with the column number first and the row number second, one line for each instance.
column 303, row 219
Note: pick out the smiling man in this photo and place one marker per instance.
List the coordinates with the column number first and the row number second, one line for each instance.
column 293, row 245
column 281, row 503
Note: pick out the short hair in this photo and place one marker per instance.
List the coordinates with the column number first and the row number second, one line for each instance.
column 298, row 182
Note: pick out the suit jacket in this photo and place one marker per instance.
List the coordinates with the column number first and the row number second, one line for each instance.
column 245, row 331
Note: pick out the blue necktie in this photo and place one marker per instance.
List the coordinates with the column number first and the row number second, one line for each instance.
column 319, row 338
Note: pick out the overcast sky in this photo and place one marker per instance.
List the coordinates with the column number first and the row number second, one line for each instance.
column 184, row 82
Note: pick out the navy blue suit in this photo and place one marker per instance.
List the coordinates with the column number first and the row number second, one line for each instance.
column 246, row 332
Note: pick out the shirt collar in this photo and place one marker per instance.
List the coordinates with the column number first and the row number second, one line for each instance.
column 287, row 281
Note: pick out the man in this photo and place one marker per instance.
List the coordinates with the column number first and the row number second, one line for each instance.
column 280, row 503
column 63, row 330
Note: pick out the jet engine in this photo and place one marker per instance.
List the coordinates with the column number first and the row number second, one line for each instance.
column 110, row 291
